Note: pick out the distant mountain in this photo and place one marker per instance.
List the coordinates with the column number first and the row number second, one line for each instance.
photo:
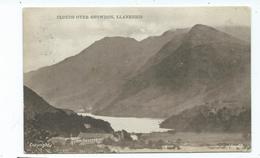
column 206, row 65
column 39, row 116
column 93, row 78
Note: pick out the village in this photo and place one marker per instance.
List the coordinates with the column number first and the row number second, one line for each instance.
column 111, row 142
column 122, row 141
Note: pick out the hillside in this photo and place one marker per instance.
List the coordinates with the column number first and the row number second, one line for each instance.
column 214, row 117
column 42, row 120
column 93, row 78
column 208, row 65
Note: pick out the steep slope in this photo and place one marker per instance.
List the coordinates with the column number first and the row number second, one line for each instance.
column 92, row 79
column 208, row 65
column 40, row 116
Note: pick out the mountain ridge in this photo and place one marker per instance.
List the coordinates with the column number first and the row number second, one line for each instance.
column 194, row 64
column 191, row 64
column 99, row 62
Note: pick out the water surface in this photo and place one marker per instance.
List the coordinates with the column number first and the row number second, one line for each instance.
column 131, row 124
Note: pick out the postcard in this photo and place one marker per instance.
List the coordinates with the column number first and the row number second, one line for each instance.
column 137, row 79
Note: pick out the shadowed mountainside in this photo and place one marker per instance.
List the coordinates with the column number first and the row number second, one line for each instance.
column 93, row 78
column 40, row 117
column 208, row 65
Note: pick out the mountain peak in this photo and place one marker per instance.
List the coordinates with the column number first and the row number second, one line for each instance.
column 118, row 38
column 202, row 29
column 201, row 26
column 203, row 34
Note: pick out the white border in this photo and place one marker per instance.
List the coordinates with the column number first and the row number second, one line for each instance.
column 11, row 84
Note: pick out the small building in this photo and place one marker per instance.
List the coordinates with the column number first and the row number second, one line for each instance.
column 87, row 126
column 171, row 147
column 93, row 138
column 134, row 137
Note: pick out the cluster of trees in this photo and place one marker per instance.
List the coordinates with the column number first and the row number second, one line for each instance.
column 224, row 120
column 209, row 119
column 69, row 125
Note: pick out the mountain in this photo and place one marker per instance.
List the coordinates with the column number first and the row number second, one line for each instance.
column 94, row 77
column 40, row 117
column 207, row 65
column 216, row 117
column 118, row 76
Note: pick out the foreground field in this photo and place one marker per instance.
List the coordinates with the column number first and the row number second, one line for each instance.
column 162, row 142
column 187, row 149
column 199, row 139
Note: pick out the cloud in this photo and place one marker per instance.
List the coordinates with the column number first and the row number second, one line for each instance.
column 48, row 40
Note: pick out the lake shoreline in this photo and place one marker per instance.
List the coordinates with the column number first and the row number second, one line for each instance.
column 131, row 124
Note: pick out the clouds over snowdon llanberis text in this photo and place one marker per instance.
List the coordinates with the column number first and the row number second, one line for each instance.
column 98, row 17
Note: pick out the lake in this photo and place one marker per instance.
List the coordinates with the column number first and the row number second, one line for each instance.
column 131, row 124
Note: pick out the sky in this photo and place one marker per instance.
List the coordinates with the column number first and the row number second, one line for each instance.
column 49, row 40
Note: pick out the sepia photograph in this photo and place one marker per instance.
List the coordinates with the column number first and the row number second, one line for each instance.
column 136, row 79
